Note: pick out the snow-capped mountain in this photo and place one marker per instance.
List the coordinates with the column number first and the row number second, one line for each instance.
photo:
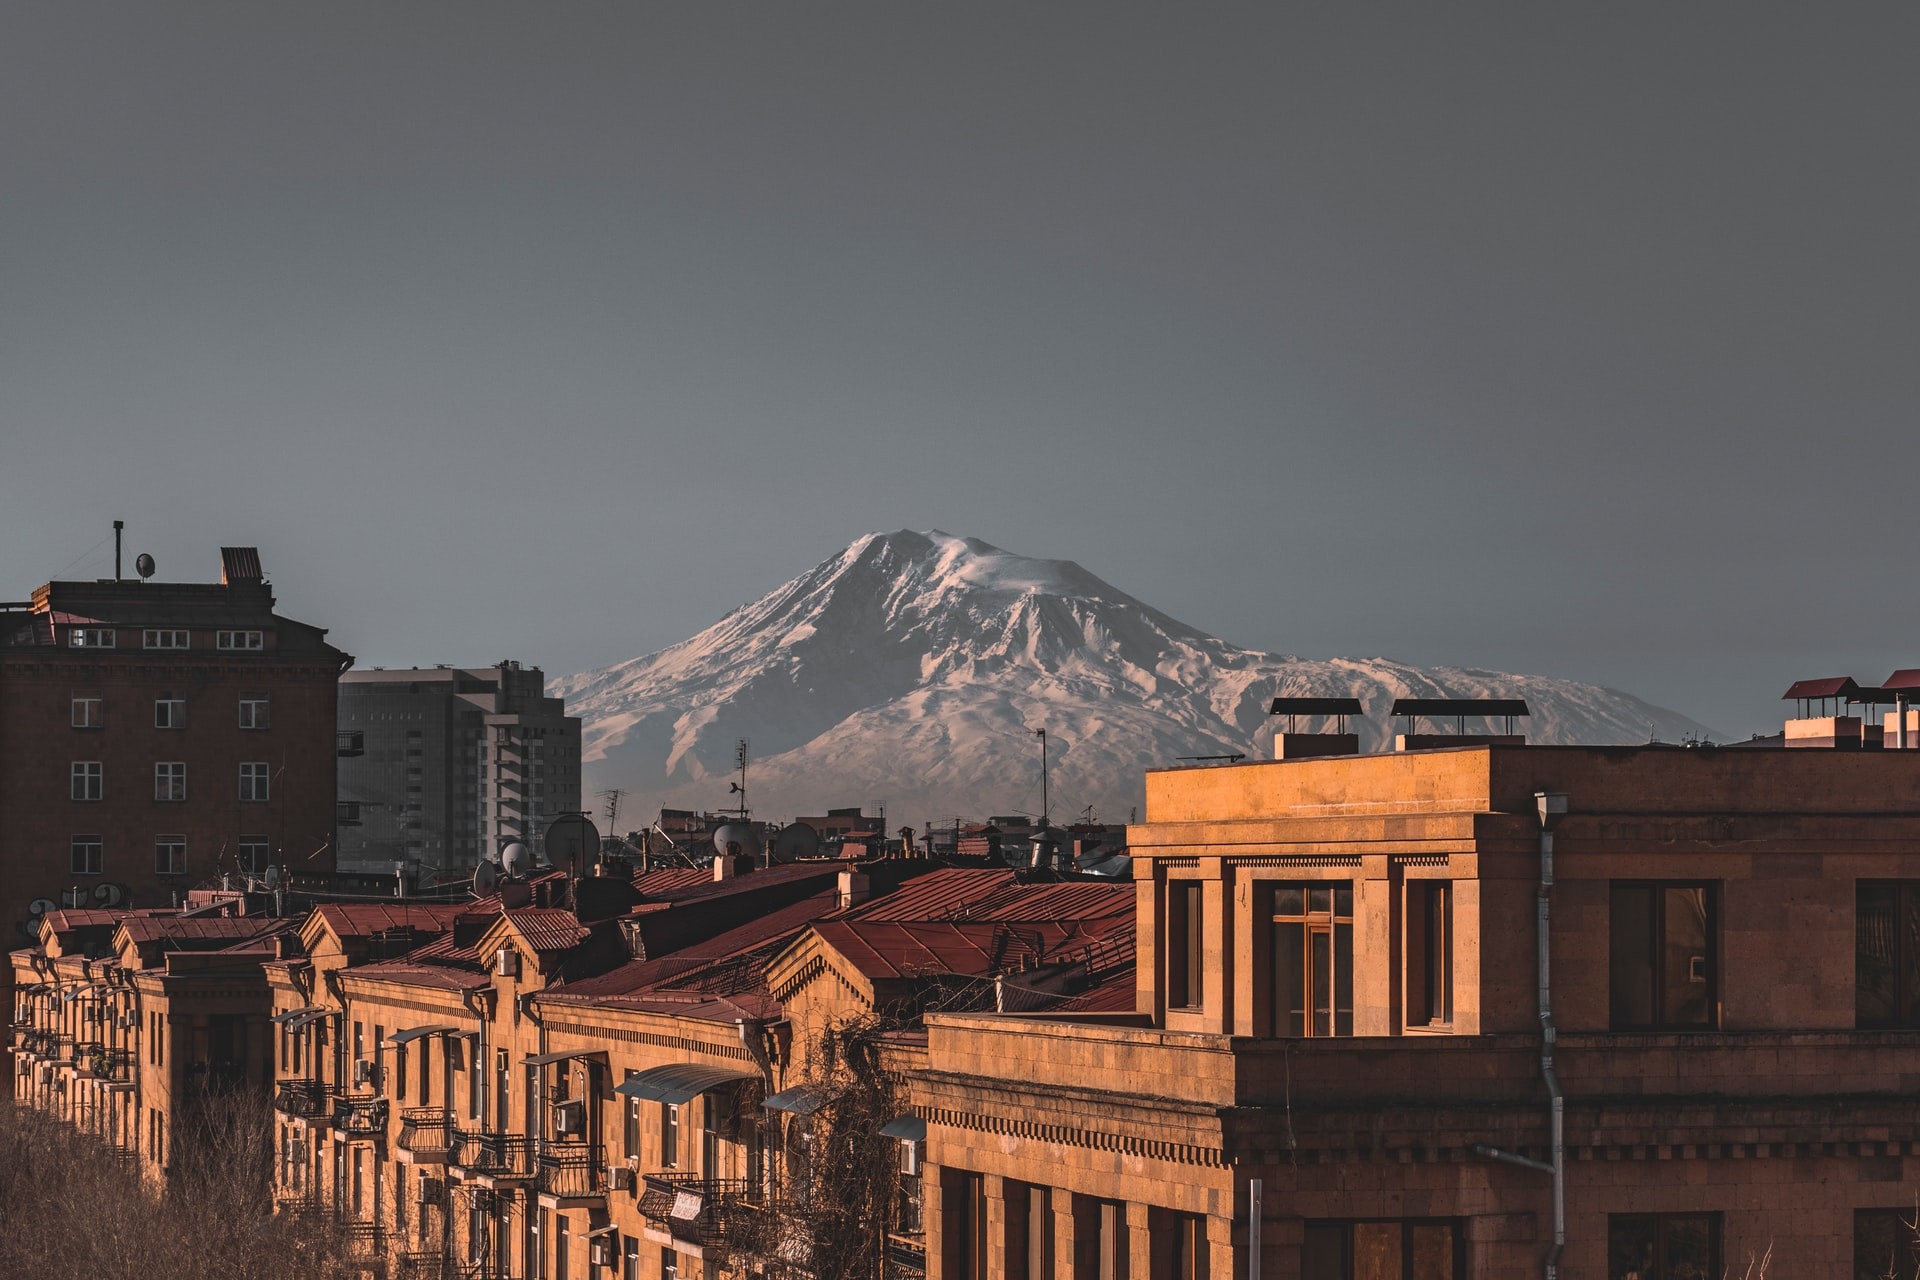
column 912, row 669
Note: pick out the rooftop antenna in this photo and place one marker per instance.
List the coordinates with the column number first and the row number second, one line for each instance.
column 613, row 796
column 1045, row 807
column 740, row 788
column 118, row 525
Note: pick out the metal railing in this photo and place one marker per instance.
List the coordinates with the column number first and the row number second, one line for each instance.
column 424, row 1265
column 906, row 1255
column 364, row 1239
column 575, row 1170
column 364, row 1117
column 699, row 1210
column 494, row 1155
column 427, row 1132
column 308, row 1099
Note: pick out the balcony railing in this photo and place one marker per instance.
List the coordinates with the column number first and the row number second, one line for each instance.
column 364, row 1239
column 493, row 1155
column 576, row 1171
column 701, row 1211
column 37, row 1042
column 363, row 1117
column 302, row 1205
column 307, row 1099
column 906, row 1255
column 425, row 1265
column 427, row 1132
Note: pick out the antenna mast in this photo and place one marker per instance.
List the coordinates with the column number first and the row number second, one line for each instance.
column 1045, row 807
column 613, row 796
column 740, row 759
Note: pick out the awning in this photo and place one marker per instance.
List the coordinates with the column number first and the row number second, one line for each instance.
column 543, row 1059
column 907, row 1128
column 306, row 1017
column 418, row 1033
column 291, row 1014
column 800, row 1100
column 597, row 1232
column 679, row 1082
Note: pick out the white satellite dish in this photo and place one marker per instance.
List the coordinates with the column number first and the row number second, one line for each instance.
column 573, row 843
column 485, row 877
column 737, row 839
column 515, row 860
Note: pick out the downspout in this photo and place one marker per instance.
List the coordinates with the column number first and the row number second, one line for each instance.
column 1552, row 808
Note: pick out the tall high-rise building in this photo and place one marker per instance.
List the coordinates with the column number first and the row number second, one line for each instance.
column 447, row 765
column 154, row 735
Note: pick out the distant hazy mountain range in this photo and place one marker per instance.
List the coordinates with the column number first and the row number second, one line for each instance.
column 912, row 669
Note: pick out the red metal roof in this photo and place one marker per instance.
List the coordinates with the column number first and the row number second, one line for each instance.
column 885, row 949
column 965, row 893
column 1825, row 687
column 364, row 919
column 547, row 928
column 1905, row 680
column 143, row 929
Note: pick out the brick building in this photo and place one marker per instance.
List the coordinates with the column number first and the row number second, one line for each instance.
column 156, row 734
column 1334, row 1068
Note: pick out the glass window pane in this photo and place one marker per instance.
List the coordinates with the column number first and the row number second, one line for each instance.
column 1319, row 899
column 1343, row 898
column 1688, row 1248
column 1289, row 979
column 1631, row 1240
column 1687, row 994
column 1908, row 956
column 1288, row 900
column 1376, row 1251
column 1323, row 1256
column 1322, row 978
column 1343, row 979
column 1433, row 1252
column 1630, row 955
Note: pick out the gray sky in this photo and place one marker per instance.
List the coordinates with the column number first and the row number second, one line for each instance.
column 1575, row 343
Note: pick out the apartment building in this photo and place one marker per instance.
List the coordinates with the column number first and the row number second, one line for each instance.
column 156, row 734
column 1491, row 1011
column 445, row 766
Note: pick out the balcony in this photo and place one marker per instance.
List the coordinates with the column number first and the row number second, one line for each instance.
column 302, row 1205
column 37, row 1042
column 426, row 1265
column 501, row 1157
column 302, row 1099
column 350, row 743
column 426, row 1134
column 575, row 1172
column 361, row 1117
column 105, row 1063
column 364, row 1239
column 906, row 1255
column 703, row 1212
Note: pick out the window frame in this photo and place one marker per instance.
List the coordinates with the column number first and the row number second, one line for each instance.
column 255, row 712
column 169, row 711
column 92, row 638
column 174, row 844
column 1331, row 923
column 87, row 776
column 256, row 782
column 99, row 856
column 1656, row 947
column 1904, row 1234
column 166, row 638
column 169, row 781
column 240, row 641
column 1316, row 1226
column 1185, row 965
column 87, row 711
column 1903, row 960
column 242, row 853
column 1428, row 950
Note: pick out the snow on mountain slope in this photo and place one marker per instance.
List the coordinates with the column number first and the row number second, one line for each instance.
column 912, row 668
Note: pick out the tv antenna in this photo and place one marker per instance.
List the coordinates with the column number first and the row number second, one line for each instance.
column 740, row 788
column 1041, row 733
column 613, row 796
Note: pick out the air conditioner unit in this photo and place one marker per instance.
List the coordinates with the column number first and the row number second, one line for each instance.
column 46, row 1073
column 570, row 1119
column 365, row 1072
column 619, row 1178
column 506, row 963
column 130, row 1018
column 600, row 1251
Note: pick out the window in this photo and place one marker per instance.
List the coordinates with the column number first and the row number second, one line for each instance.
column 170, row 780
column 1663, row 1246
column 1661, row 956
column 169, row 712
column 631, row 1136
column 1313, row 959
column 169, row 855
column 1186, row 941
column 1410, row 1249
column 168, row 639
column 1429, row 953
column 84, row 855
column 965, row 1244
column 87, row 780
column 1886, row 1242
column 255, row 711
column 91, row 638
column 87, row 713
column 238, row 640
column 669, row 1265
column 669, row 1135
column 630, row 1259
column 1886, row 953
column 255, row 854
column 253, row 780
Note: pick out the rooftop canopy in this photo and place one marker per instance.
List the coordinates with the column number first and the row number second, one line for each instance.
column 679, row 1082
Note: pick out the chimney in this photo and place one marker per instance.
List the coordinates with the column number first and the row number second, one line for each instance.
column 728, row 865
column 854, row 887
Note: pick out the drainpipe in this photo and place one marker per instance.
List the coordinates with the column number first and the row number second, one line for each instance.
column 1552, row 806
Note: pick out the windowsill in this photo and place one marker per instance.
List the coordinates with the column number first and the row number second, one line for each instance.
column 1428, row 1029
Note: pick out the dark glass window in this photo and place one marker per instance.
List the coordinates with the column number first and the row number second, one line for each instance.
column 1663, row 1246
column 1429, row 952
column 1313, row 959
column 1186, row 938
column 1886, row 1242
column 1391, row 1250
column 1661, row 956
column 1886, row 953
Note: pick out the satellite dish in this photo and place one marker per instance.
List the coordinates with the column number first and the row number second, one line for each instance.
column 515, row 860
column 515, row 894
column 737, row 839
column 572, row 842
column 271, row 876
column 485, row 876
column 797, row 840
column 143, row 565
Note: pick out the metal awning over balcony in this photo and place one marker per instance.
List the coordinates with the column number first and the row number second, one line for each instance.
column 291, row 1014
column 545, row 1059
column 419, row 1033
column 907, row 1128
column 800, row 1100
column 679, row 1082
